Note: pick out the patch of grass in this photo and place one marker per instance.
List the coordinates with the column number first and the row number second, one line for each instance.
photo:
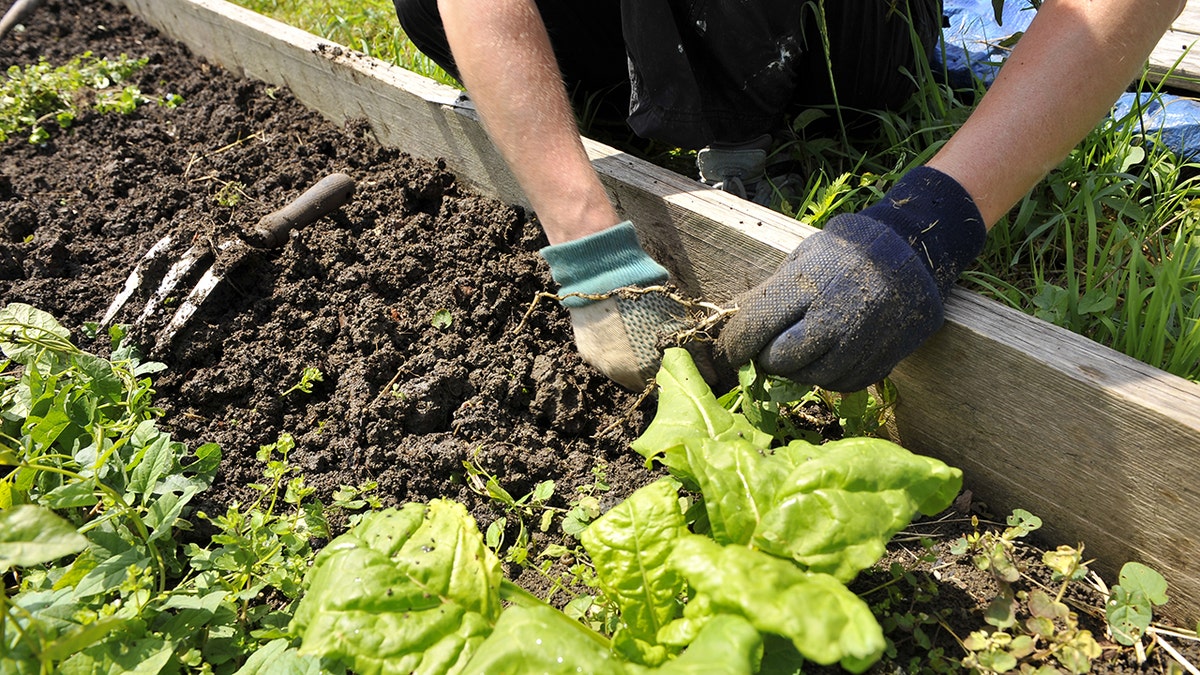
column 1107, row 245
column 369, row 26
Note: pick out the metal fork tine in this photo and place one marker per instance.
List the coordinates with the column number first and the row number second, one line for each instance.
column 200, row 292
column 136, row 278
column 199, row 254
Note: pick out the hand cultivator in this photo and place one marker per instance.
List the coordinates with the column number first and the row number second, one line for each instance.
column 215, row 260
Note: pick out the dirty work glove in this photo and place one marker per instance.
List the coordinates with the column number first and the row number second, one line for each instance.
column 618, row 335
column 863, row 293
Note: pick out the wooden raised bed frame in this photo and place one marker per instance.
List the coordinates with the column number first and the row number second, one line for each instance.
column 1104, row 448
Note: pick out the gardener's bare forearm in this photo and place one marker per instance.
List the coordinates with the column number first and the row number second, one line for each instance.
column 504, row 56
column 1061, row 79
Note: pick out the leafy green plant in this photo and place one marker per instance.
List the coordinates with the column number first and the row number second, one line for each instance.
column 1130, row 606
column 1034, row 630
column 765, row 550
column 94, row 496
column 41, row 93
column 79, row 438
column 787, row 411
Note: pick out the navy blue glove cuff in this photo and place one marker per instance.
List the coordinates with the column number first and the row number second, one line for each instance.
column 602, row 262
column 938, row 218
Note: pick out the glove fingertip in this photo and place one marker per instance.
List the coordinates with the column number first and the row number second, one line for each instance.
column 793, row 352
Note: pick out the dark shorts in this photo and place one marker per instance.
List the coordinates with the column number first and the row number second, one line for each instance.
column 695, row 72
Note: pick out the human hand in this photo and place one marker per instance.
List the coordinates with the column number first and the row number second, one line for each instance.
column 619, row 332
column 863, row 293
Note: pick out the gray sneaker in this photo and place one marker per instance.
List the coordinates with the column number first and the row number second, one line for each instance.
column 742, row 170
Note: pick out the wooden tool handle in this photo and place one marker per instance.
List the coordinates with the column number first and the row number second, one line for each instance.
column 319, row 200
column 17, row 14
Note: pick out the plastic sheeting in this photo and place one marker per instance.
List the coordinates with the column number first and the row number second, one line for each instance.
column 974, row 46
column 1173, row 120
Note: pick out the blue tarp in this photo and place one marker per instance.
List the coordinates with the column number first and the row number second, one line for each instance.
column 975, row 45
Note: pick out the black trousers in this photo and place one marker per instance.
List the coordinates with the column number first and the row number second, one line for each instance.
column 695, row 72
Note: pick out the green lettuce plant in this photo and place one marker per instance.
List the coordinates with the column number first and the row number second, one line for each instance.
column 736, row 563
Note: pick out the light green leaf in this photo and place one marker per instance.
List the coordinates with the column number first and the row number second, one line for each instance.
column 74, row 494
column 540, row 639
column 104, row 382
column 1134, row 155
column 1138, row 577
column 629, row 546
column 109, row 574
column 1129, row 613
column 727, row 645
column 405, row 590
column 82, row 637
column 687, row 409
column 193, row 613
column 147, row 656
column 20, row 323
column 442, row 319
column 543, row 492
column 278, row 658
column 46, row 423
column 823, row 619
column 31, row 535
column 738, row 482
column 154, row 458
column 836, row 512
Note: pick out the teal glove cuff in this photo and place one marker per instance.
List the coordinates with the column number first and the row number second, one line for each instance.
column 601, row 262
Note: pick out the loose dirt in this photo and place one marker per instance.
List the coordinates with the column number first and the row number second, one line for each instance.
column 407, row 300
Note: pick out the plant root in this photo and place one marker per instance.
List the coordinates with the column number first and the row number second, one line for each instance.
column 649, row 389
column 704, row 317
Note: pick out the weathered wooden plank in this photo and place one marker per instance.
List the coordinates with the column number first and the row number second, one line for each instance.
column 1188, row 20
column 1176, row 58
column 1103, row 447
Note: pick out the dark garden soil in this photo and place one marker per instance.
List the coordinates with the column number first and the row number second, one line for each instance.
column 403, row 402
column 407, row 299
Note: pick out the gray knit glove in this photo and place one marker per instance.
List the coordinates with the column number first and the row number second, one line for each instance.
column 619, row 335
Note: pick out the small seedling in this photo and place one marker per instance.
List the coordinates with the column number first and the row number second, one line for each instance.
column 1130, row 606
column 231, row 193
column 442, row 319
column 904, row 607
column 520, row 509
column 308, row 377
